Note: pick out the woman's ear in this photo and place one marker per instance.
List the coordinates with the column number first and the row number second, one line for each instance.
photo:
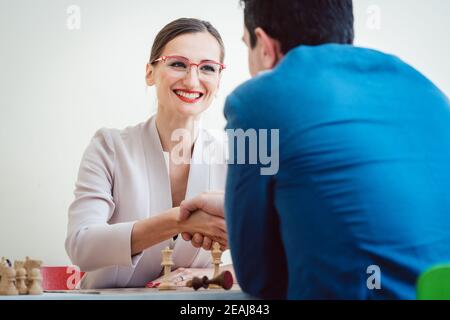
column 269, row 49
column 149, row 75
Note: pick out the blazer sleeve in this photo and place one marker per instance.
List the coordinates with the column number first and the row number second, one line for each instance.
column 252, row 221
column 92, row 242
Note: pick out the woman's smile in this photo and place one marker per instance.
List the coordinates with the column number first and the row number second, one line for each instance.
column 188, row 96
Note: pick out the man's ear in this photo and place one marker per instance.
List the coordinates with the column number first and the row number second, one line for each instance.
column 149, row 72
column 270, row 49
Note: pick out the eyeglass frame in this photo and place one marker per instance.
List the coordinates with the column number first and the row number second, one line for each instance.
column 164, row 58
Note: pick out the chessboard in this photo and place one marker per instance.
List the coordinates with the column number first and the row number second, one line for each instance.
column 23, row 282
column 180, row 293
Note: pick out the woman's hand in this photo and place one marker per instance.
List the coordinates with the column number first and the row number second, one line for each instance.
column 206, row 228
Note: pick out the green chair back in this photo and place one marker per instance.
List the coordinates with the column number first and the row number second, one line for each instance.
column 434, row 284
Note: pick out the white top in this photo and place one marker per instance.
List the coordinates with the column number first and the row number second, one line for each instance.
column 124, row 178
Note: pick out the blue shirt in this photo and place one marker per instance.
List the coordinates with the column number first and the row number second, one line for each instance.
column 363, row 179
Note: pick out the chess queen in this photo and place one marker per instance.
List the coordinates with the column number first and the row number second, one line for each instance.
column 132, row 181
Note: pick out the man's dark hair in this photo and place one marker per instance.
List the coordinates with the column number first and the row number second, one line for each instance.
column 300, row 22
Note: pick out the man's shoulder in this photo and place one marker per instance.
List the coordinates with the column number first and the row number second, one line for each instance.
column 293, row 77
column 309, row 71
column 256, row 96
column 255, row 87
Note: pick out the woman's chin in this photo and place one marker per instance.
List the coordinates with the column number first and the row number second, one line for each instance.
column 189, row 109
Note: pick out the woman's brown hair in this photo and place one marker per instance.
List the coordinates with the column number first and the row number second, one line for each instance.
column 183, row 26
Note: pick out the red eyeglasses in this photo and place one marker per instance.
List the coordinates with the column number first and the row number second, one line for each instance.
column 182, row 65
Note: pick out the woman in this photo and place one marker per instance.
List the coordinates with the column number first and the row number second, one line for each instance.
column 131, row 182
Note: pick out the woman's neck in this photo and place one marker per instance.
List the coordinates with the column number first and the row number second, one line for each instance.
column 174, row 129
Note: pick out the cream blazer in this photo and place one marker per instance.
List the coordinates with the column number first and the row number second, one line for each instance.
column 124, row 178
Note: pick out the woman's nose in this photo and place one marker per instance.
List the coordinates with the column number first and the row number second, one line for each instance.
column 192, row 77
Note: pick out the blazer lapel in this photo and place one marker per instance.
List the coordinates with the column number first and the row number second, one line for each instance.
column 160, row 194
column 198, row 182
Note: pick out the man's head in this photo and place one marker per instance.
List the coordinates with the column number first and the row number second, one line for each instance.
column 274, row 27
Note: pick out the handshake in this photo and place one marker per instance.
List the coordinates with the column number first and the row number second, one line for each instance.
column 203, row 218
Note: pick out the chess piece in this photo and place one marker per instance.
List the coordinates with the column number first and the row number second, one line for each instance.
column 3, row 262
column 29, row 266
column 21, row 277
column 35, row 282
column 224, row 280
column 8, row 283
column 198, row 283
column 167, row 263
column 216, row 255
column 3, row 280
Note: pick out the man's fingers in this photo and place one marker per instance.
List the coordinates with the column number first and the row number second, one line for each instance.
column 207, row 242
column 186, row 236
column 184, row 213
column 223, row 225
column 211, row 203
column 189, row 206
column 197, row 240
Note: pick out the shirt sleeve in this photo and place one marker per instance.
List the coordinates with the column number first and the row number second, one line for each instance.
column 92, row 243
column 252, row 221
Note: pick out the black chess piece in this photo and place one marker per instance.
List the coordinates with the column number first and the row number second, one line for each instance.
column 224, row 280
column 198, row 283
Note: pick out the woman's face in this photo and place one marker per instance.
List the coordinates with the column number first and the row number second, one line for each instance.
column 188, row 92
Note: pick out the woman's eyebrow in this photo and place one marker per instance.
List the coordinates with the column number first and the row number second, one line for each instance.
column 204, row 60
column 209, row 60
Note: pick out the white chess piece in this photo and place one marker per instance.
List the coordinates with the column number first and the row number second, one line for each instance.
column 9, row 288
column 216, row 254
column 167, row 263
column 21, row 277
column 29, row 266
column 35, row 284
column 2, row 279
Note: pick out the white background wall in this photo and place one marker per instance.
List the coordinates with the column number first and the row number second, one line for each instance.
column 58, row 86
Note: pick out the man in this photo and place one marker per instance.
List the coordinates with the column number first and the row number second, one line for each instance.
column 359, row 206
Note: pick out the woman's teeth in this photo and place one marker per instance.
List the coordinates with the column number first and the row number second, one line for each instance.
column 188, row 95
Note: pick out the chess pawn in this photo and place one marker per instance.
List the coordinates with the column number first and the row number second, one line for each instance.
column 9, row 283
column 35, row 282
column 216, row 256
column 167, row 263
column 21, row 276
column 29, row 265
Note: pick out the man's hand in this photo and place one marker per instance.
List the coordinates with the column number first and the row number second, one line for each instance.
column 211, row 227
column 211, row 203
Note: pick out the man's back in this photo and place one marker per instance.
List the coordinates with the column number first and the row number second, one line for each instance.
column 363, row 179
